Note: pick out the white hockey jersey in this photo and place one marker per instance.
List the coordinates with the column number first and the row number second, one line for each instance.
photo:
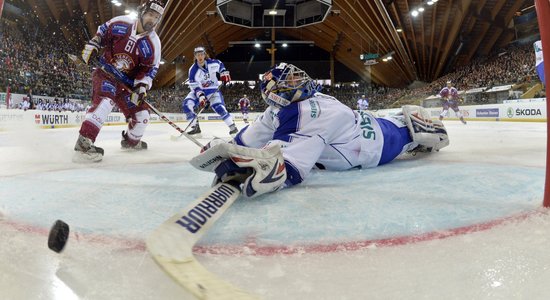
column 319, row 131
column 205, row 79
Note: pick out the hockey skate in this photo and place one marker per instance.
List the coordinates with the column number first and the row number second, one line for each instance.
column 125, row 143
column 233, row 129
column 428, row 135
column 85, row 151
column 195, row 130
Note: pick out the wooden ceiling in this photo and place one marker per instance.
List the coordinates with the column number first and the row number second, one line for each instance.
column 446, row 33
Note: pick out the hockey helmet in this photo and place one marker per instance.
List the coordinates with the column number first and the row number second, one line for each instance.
column 199, row 49
column 157, row 6
column 286, row 83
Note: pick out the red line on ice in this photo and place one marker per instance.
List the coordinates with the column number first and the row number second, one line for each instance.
column 251, row 248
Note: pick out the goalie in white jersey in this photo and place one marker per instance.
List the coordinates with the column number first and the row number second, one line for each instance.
column 304, row 129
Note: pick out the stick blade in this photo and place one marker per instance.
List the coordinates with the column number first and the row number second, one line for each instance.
column 197, row 280
column 171, row 244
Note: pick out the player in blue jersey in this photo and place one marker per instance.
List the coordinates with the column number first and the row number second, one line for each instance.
column 363, row 103
column 304, row 129
column 204, row 85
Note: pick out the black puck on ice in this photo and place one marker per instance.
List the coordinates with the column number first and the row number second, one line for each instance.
column 59, row 234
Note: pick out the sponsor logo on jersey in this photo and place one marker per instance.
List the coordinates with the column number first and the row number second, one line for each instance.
column 153, row 72
column 206, row 209
column 120, row 29
column 108, row 87
column 145, row 48
column 366, row 126
column 315, row 109
column 103, row 29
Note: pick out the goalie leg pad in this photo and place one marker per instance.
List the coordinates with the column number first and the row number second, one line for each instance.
column 428, row 135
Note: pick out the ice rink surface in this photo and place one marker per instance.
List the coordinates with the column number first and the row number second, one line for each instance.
column 463, row 223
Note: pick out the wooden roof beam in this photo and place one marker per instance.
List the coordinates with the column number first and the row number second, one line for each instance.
column 461, row 9
column 39, row 12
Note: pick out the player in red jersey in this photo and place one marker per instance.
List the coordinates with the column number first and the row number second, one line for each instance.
column 449, row 98
column 244, row 104
column 131, row 51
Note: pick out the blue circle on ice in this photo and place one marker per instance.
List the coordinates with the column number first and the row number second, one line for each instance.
column 406, row 197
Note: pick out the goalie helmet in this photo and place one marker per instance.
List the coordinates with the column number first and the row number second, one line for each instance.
column 157, row 6
column 286, row 83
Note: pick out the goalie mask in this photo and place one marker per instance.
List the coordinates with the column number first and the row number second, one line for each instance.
column 156, row 7
column 286, row 83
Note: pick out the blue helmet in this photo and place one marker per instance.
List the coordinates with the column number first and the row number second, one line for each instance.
column 286, row 83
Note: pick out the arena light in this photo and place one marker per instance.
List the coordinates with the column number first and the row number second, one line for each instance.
column 430, row 3
column 414, row 13
column 399, row 30
column 272, row 12
column 257, row 45
column 133, row 15
column 285, row 45
column 421, row 9
column 118, row 4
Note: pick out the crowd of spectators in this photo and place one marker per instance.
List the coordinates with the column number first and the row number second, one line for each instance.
column 34, row 56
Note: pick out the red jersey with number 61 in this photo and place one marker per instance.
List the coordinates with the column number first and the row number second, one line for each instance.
column 136, row 55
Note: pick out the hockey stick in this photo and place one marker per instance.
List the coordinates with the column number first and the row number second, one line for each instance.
column 171, row 244
column 165, row 119
column 177, row 137
column 79, row 62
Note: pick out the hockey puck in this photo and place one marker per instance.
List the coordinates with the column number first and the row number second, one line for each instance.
column 59, row 234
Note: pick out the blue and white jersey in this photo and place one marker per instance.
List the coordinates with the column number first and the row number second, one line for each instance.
column 362, row 104
column 205, row 79
column 319, row 131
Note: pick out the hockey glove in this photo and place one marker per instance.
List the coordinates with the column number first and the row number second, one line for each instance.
column 225, row 77
column 203, row 102
column 139, row 94
column 91, row 49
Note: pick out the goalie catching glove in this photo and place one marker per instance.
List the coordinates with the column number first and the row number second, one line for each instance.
column 259, row 170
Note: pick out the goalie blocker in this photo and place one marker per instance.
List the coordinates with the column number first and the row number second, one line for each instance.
column 259, row 170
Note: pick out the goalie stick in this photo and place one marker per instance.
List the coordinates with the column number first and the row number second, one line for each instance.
column 171, row 244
